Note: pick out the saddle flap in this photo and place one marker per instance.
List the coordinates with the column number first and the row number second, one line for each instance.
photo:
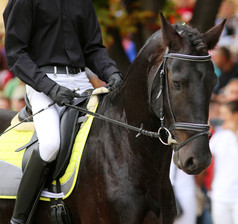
column 68, row 131
column 69, row 128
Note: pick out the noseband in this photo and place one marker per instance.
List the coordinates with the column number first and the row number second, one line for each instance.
column 201, row 129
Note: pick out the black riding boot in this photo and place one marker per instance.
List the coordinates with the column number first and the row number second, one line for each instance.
column 34, row 176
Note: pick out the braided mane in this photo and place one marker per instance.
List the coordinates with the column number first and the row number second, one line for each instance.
column 193, row 37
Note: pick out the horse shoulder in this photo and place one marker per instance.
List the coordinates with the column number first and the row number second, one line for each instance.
column 5, row 118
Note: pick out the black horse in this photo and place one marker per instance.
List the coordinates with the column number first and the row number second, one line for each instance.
column 124, row 179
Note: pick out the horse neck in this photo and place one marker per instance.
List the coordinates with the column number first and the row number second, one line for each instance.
column 136, row 90
column 130, row 104
column 133, row 95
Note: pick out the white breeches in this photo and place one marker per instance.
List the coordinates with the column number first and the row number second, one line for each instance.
column 47, row 122
column 224, row 212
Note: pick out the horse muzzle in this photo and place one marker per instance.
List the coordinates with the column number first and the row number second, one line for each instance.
column 193, row 157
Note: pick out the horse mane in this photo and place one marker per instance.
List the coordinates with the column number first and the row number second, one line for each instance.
column 193, row 37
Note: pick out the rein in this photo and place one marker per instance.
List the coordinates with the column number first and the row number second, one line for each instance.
column 119, row 123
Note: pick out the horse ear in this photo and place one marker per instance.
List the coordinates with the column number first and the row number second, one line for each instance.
column 212, row 36
column 171, row 38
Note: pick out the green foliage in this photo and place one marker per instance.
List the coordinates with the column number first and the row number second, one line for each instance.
column 170, row 13
column 115, row 16
column 112, row 14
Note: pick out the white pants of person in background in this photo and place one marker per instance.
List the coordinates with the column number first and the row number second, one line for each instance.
column 185, row 189
column 224, row 213
column 47, row 122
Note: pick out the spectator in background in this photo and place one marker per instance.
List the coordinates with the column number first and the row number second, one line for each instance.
column 229, row 93
column 214, row 117
column 185, row 191
column 185, row 9
column 5, row 74
column 229, row 69
column 129, row 47
column 229, row 37
column 10, row 87
column 224, row 147
column 231, row 90
column 203, row 181
column 17, row 99
column 5, row 103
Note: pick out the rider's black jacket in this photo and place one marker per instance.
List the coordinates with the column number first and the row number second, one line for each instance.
column 53, row 32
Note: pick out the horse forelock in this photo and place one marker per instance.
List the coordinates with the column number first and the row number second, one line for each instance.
column 194, row 39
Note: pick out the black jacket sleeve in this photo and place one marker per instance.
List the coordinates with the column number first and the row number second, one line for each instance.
column 18, row 25
column 95, row 53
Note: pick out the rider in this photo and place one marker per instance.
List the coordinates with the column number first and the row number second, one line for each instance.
column 48, row 44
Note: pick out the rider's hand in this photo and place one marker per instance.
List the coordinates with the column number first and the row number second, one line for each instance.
column 115, row 80
column 62, row 95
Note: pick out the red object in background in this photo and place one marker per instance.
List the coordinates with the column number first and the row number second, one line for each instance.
column 209, row 176
column 5, row 76
column 186, row 13
column 183, row 10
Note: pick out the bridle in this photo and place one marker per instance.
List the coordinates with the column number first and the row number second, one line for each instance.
column 201, row 129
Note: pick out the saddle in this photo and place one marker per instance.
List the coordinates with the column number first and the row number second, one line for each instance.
column 70, row 121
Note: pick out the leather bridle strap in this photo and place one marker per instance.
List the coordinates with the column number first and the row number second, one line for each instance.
column 179, row 146
column 187, row 57
column 202, row 129
column 189, row 126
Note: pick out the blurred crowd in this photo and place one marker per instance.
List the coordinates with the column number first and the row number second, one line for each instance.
column 212, row 196
column 12, row 90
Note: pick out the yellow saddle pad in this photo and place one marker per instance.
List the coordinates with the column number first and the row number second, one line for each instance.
column 11, row 161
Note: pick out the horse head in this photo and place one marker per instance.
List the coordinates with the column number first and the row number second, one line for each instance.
column 181, row 89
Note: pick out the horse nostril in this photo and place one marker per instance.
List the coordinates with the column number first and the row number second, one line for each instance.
column 190, row 164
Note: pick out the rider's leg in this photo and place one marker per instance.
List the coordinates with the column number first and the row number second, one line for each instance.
column 37, row 169
column 46, row 124
column 33, row 178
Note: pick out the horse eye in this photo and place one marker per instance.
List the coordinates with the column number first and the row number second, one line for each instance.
column 177, row 84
